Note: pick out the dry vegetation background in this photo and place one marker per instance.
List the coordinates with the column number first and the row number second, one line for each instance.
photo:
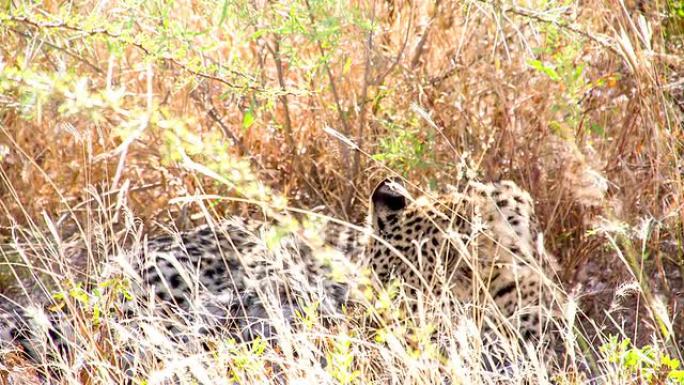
column 111, row 111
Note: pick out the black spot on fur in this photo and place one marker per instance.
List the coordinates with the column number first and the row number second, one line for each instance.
column 193, row 251
column 205, row 232
column 153, row 279
column 514, row 221
column 221, row 268
column 187, row 239
column 162, row 239
column 175, row 281
column 506, row 289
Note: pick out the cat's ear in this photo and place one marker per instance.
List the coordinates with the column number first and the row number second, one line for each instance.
column 388, row 198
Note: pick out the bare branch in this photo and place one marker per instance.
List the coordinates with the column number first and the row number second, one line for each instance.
column 380, row 79
column 59, row 48
column 420, row 47
column 145, row 50
column 275, row 52
column 345, row 125
column 602, row 41
column 354, row 171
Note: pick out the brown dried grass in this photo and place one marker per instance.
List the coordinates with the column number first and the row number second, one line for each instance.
column 466, row 65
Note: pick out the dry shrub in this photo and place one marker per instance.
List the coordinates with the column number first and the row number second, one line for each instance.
column 110, row 113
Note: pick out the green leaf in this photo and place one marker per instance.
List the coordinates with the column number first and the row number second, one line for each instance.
column 677, row 376
column 541, row 67
column 224, row 12
column 597, row 129
column 347, row 66
column 248, row 119
column 96, row 315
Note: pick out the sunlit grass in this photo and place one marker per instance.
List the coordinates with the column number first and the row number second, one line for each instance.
column 118, row 121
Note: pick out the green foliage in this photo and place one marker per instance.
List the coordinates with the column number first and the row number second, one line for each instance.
column 676, row 8
column 209, row 155
column 244, row 358
column 562, row 63
column 673, row 25
column 406, row 146
column 96, row 302
column 341, row 362
column 645, row 365
column 275, row 234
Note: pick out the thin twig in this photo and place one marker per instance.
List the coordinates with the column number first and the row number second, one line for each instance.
column 117, row 191
column 420, row 47
column 204, row 101
column 333, row 87
column 381, row 79
column 59, row 48
column 354, row 171
column 275, row 52
column 213, row 114
column 604, row 42
column 145, row 50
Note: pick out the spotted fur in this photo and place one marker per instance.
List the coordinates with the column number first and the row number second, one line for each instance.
column 244, row 277
column 477, row 242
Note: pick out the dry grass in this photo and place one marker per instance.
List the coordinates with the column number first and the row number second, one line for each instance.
column 116, row 118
